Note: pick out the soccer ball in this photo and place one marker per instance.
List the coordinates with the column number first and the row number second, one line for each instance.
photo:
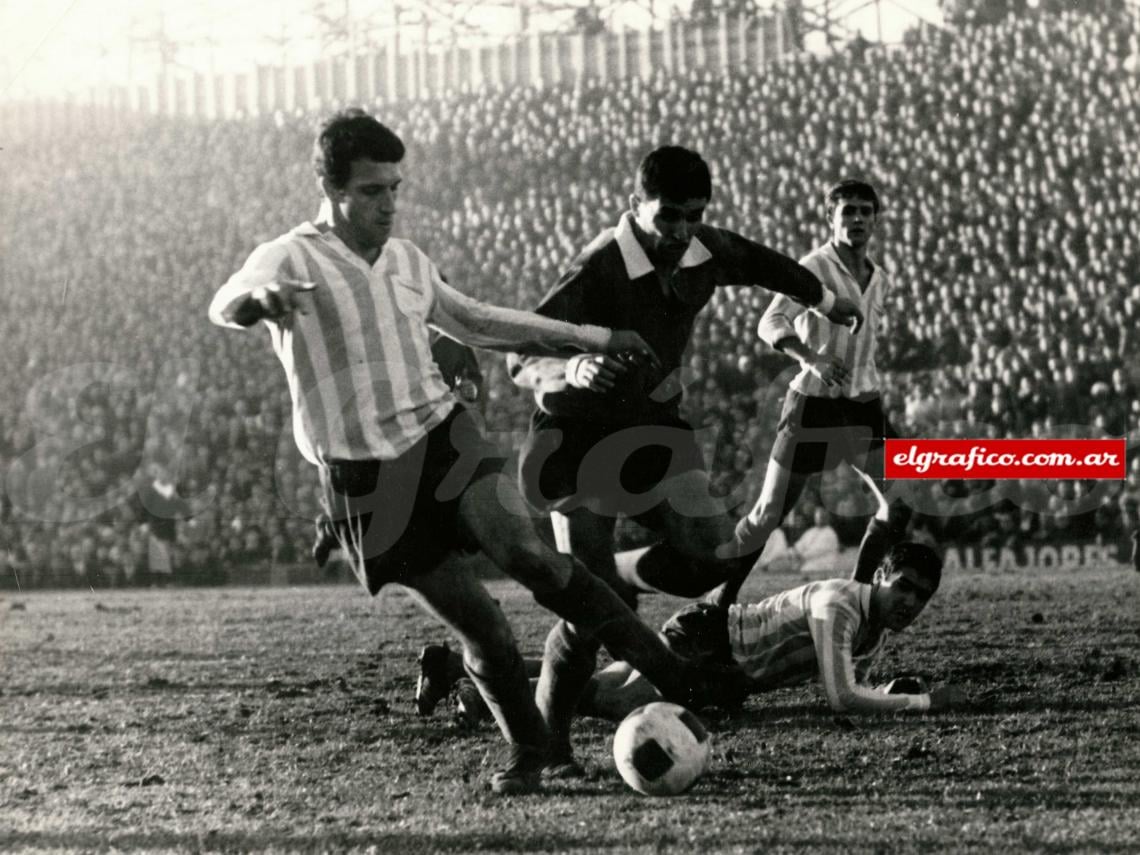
column 661, row 749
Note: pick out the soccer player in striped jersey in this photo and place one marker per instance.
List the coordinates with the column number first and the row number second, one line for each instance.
column 408, row 478
column 833, row 411
column 833, row 630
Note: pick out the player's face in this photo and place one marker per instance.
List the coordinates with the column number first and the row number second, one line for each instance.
column 667, row 225
column 366, row 205
column 901, row 597
column 853, row 221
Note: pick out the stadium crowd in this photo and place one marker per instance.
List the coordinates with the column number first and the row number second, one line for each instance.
column 139, row 443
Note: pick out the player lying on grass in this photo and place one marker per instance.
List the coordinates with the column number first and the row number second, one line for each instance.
column 833, row 630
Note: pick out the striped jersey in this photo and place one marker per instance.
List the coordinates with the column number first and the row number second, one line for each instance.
column 359, row 364
column 820, row 629
column 785, row 318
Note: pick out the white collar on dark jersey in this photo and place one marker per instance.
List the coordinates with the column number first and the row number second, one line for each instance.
column 637, row 263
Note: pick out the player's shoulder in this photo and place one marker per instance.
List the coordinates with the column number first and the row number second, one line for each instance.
column 833, row 594
column 818, row 259
column 602, row 247
column 275, row 251
column 600, row 261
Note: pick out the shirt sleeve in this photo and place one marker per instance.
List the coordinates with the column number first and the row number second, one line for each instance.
column 746, row 262
column 566, row 301
column 267, row 263
column 497, row 328
column 834, row 622
column 778, row 320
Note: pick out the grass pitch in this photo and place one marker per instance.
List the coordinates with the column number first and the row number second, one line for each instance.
column 282, row 720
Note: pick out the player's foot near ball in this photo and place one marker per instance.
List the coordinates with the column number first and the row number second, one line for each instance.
column 521, row 773
column 561, row 765
column 433, row 684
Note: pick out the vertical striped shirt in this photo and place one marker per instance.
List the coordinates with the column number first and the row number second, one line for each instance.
column 820, row 629
column 359, row 365
column 785, row 318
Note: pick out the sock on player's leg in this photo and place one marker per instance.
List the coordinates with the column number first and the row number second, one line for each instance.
column 508, row 694
column 596, row 610
column 568, row 664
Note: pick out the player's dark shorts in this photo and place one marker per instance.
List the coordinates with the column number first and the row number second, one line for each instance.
column 817, row 434
column 398, row 518
column 566, row 462
column 699, row 632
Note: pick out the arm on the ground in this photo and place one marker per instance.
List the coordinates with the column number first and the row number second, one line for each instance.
column 834, row 623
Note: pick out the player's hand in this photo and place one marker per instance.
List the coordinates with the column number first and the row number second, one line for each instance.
column 947, row 698
column 846, row 313
column 830, row 370
column 282, row 298
column 595, row 372
column 627, row 341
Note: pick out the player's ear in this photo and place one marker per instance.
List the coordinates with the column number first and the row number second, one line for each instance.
column 331, row 192
column 634, row 202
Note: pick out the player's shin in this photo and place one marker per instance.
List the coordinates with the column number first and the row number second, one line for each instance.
column 567, row 666
column 595, row 609
column 507, row 692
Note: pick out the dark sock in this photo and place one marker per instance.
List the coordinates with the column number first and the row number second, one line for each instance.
column 596, row 611
column 508, row 695
column 455, row 667
column 567, row 665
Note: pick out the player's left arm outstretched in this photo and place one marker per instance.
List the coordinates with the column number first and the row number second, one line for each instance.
column 490, row 327
column 834, row 626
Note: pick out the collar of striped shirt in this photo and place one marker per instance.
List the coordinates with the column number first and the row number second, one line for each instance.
column 322, row 228
column 832, row 255
column 637, row 263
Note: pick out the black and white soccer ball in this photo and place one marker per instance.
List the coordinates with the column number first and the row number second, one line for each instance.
column 661, row 749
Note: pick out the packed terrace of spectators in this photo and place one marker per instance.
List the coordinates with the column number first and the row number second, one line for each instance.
column 1008, row 158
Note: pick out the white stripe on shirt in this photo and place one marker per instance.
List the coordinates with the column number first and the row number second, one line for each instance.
column 359, row 366
column 784, row 317
column 814, row 631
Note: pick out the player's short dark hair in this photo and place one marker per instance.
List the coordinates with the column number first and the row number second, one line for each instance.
column 674, row 173
column 351, row 135
column 850, row 188
column 917, row 556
